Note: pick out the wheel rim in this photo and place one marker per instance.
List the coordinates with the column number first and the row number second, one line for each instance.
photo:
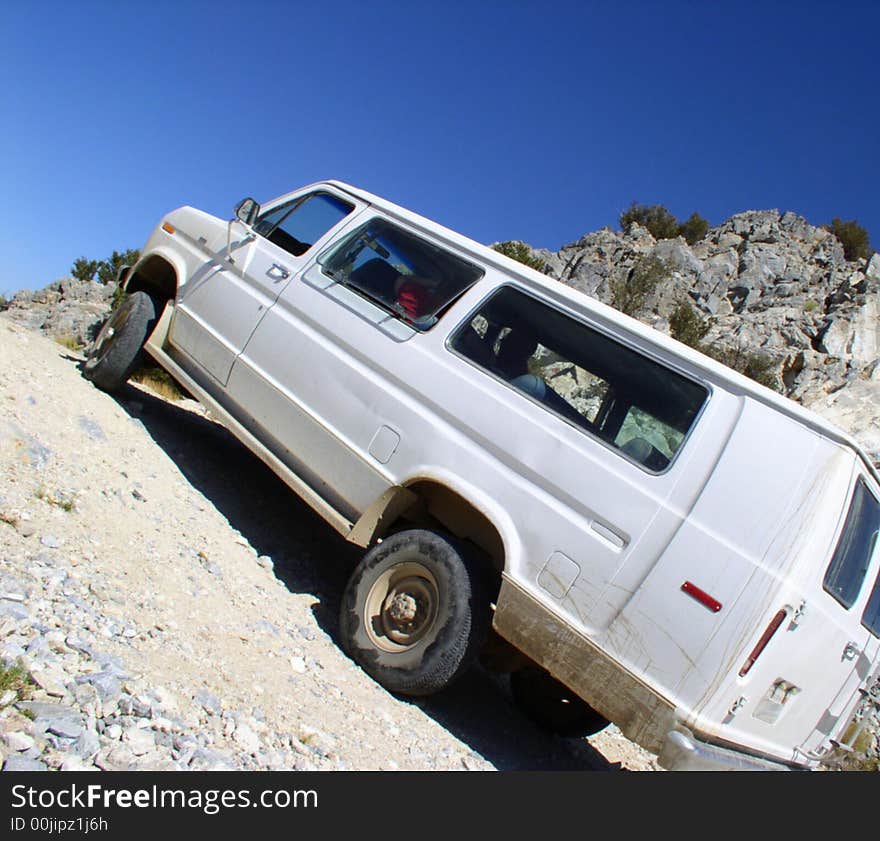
column 401, row 607
column 111, row 330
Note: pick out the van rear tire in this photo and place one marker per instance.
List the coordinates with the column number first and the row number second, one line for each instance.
column 414, row 614
column 552, row 706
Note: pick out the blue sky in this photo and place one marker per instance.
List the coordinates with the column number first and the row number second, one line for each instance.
column 538, row 121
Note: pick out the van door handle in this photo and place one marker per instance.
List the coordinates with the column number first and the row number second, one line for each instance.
column 851, row 650
column 278, row 272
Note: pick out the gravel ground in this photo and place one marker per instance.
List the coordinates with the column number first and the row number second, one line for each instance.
column 174, row 605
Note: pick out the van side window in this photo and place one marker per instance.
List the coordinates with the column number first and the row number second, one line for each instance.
column 596, row 383
column 298, row 225
column 856, row 545
column 405, row 274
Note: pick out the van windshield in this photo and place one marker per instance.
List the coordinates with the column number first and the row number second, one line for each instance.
column 856, row 546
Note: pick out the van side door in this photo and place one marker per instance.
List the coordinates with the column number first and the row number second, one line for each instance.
column 220, row 308
column 324, row 375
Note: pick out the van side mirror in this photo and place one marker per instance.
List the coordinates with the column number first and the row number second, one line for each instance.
column 247, row 211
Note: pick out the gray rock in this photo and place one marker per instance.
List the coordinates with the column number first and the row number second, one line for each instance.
column 19, row 741
column 54, row 718
column 52, row 680
column 22, row 763
column 142, row 706
column 106, row 683
column 13, row 610
column 139, row 741
column 75, row 763
column 113, row 732
column 210, row 702
column 77, row 644
column 246, row 738
column 306, row 632
column 110, row 664
column 677, row 254
column 206, row 760
column 92, row 428
column 117, row 758
column 88, row 744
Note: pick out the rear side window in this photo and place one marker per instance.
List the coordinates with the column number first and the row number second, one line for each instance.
column 605, row 388
column 410, row 277
column 298, row 225
column 856, row 545
column 871, row 616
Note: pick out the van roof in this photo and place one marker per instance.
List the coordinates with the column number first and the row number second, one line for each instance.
column 669, row 349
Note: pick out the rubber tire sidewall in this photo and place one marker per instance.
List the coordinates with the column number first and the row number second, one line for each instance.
column 458, row 631
column 110, row 370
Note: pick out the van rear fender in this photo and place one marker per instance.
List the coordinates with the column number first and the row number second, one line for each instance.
column 436, row 503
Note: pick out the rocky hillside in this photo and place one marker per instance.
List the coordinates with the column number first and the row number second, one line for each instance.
column 765, row 283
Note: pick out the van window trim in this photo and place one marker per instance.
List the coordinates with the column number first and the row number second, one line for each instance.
column 688, row 375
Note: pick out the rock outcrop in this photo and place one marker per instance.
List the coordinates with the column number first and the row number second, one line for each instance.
column 66, row 309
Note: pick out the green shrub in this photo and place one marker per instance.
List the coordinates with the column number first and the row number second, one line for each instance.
column 756, row 366
column 158, row 380
column 662, row 224
column 694, row 228
column 69, row 341
column 630, row 294
column 520, row 252
column 853, row 237
column 109, row 268
column 656, row 218
column 85, row 269
column 687, row 325
column 16, row 678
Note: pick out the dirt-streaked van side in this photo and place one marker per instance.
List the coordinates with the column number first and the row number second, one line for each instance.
column 634, row 531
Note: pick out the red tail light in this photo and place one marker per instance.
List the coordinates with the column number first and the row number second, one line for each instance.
column 701, row 596
column 772, row 628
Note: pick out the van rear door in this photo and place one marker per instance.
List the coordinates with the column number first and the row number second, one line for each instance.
column 798, row 676
column 851, row 583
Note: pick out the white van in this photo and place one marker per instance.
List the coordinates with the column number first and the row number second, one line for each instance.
column 644, row 535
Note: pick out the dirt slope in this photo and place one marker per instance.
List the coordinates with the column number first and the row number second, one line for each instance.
column 176, row 605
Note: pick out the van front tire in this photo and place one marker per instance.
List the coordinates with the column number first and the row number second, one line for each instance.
column 116, row 350
column 414, row 614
